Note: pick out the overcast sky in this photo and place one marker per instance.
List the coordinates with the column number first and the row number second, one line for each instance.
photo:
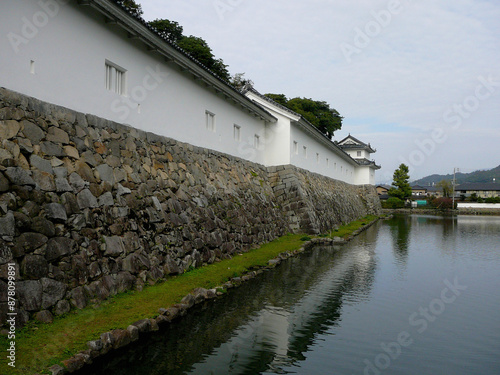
column 419, row 80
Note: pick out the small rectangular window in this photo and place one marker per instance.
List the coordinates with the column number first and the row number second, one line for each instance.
column 210, row 121
column 305, row 151
column 335, row 166
column 327, row 162
column 317, row 158
column 237, row 133
column 256, row 141
column 32, row 67
column 359, row 153
column 115, row 79
column 295, row 147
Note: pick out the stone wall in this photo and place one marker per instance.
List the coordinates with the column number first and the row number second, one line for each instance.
column 90, row 208
column 316, row 204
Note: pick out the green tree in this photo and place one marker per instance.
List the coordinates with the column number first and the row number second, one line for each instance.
column 278, row 98
column 402, row 188
column 239, row 81
column 168, row 29
column 199, row 49
column 445, row 185
column 194, row 46
column 318, row 113
column 135, row 8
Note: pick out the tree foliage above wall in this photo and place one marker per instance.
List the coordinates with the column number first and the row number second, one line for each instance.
column 168, row 29
column 135, row 8
column 193, row 45
column 318, row 113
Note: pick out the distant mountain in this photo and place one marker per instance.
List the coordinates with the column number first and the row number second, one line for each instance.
column 477, row 176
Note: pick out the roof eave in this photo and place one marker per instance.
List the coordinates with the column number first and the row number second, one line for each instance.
column 173, row 54
column 312, row 130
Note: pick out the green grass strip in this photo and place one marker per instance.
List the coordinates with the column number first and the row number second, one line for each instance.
column 346, row 230
column 39, row 346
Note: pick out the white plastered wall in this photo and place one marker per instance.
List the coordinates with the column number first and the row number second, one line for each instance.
column 57, row 54
column 319, row 158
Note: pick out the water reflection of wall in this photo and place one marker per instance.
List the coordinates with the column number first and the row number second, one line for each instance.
column 269, row 322
column 290, row 323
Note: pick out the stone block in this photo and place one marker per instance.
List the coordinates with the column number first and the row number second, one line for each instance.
column 34, row 267
column 19, row 176
column 29, row 293
column 71, row 152
column 124, row 281
column 122, row 190
column 114, row 246
column 41, row 164
column 121, row 338
column 84, row 171
column 75, row 363
column 86, row 199
column 78, row 298
column 57, row 370
column 188, row 300
column 95, row 345
column 7, row 156
column 8, row 225
column 4, row 183
column 143, row 325
column 106, row 173
column 9, row 129
column 57, row 135
column 44, row 316
column 51, row 149
column 62, row 307
column 32, row 132
column 58, row 247
column 107, row 340
column 30, row 241
column 77, row 182
column 53, row 292
column 62, row 185
column 106, row 199
column 55, row 211
column 113, row 161
column 44, row 181
column 25, row 145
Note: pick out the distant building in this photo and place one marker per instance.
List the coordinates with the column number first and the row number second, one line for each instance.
column 483, row 190
column 382, row 189
column 361, row 152
column 418, row 190
column 435, row 191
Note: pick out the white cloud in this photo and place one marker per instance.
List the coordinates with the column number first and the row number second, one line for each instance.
column 426, row 59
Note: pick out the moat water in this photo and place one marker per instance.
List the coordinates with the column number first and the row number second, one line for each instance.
column 411, row 295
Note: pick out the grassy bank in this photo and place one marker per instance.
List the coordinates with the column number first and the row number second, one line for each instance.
column 346, row 230
column 38, row 346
